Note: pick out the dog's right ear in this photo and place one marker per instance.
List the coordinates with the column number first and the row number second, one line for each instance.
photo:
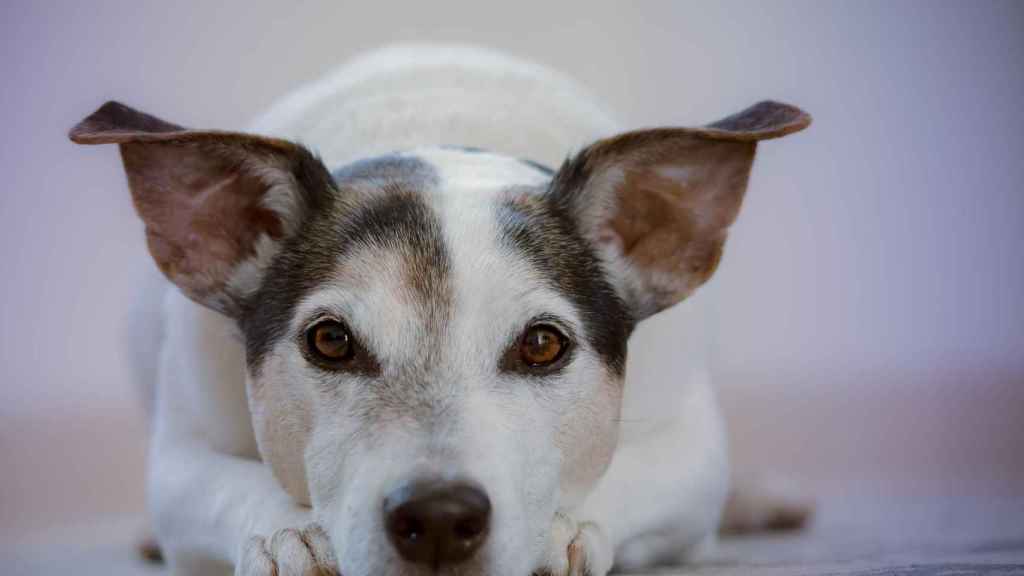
column 216, row 204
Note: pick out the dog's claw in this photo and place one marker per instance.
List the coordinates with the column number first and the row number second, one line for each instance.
column 288, row 552
column 577, row 550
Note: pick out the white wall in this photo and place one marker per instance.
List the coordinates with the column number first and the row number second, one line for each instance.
column 869, row 332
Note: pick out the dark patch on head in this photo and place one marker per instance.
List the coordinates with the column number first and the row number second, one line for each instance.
column 409, row 172
column 397, row 220
column 547, row 236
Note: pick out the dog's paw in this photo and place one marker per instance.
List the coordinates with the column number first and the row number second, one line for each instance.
column 288, row 552
column 576, row 549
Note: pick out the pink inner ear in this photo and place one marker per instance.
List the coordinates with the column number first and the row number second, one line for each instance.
column 654, row 220
column 674, row 205
column 203, row 214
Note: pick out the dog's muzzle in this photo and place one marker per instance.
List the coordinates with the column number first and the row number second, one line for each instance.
column 437, row 523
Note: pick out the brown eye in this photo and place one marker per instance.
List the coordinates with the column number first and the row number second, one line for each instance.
column 542, row 345
column 330, row 341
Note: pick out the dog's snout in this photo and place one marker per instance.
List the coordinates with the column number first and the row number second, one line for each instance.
column 437, row 523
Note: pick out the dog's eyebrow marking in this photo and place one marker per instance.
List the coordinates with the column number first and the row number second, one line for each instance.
column 393, row 216
column 546, row 237
column 405, row 223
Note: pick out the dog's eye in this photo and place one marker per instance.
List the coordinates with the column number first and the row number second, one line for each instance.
column 542, row 345
column 330, row 342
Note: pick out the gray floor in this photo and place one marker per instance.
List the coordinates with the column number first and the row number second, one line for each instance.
column 919, row 538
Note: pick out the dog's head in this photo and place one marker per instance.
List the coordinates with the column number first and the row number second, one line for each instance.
column 436, row 339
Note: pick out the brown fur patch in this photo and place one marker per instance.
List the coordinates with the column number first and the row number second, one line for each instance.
column 664, row 198
column 669, row 228
column 203, row 212
column 202, row 194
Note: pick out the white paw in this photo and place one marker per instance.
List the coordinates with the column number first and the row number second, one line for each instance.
column 576, row 549
column 288, row 552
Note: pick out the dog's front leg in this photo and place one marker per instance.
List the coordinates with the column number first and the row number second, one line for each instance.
column 211, row 508
column 213, row 503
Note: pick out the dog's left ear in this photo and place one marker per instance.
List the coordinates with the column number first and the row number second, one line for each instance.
column 658, row 203
column 216, row 205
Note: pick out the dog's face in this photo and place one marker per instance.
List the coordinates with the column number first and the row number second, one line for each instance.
column 436, row 339
column 436, row 323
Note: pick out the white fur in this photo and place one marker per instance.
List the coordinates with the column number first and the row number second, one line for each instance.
column 210, row 495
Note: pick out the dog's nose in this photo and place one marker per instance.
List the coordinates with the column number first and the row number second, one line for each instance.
column 437, row 523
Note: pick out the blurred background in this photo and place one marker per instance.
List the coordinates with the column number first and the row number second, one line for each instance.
column 869, row 333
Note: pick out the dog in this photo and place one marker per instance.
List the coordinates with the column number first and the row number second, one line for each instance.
column 405, row 353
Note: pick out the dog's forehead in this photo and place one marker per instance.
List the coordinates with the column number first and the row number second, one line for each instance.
column 424, row 243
